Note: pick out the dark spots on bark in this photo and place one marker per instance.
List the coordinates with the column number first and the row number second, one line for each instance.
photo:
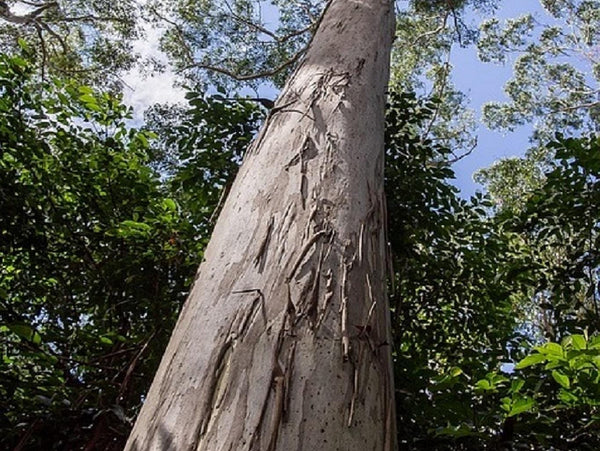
column 304, row 190
column 360, row 65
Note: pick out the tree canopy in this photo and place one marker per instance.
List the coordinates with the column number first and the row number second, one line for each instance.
column 88, row 40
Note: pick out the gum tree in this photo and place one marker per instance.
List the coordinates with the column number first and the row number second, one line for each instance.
column 284, row 342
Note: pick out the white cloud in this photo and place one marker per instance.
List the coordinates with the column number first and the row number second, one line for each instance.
column 143, row 90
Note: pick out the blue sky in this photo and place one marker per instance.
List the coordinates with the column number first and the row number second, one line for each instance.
column 483, row 82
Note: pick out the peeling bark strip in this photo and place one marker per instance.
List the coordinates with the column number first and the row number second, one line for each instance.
column 282, row 342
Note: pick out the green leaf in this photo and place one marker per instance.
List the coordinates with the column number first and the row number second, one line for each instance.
column 169, row 204
column 521, row 405
column 567, row 397
column 19, row 61
column 562, row 379
column 143, row 140
column 26, row 332
column 483, row 384
column 594, row 342
column 553, row 364
column 134, row 228
column 530, row 360
column 85, row 90
column 462, row 430
column 87, row 98
column 516, row 385
column 23, row 44
column 455, row 371
column 579, row 342
column 551, row 350
column 94, row 107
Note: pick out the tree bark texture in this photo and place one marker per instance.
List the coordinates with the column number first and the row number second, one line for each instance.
column 284, row 342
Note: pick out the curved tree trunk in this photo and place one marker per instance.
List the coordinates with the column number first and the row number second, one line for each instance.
column 284, row 341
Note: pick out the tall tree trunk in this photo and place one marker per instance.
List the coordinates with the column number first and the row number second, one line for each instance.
column 284, row 341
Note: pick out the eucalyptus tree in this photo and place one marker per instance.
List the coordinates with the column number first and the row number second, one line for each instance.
column 284, row 342
column 90, row 40
column 246, row 43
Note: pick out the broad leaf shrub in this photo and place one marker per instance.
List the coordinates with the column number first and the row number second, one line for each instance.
column 477, row 289
column 98, row 248
column 453, row 296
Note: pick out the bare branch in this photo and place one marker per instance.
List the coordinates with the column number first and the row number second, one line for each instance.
column 247, row 77
column 466, row 154
column 250, row 23
column 266, row 31
column 438, row 30
column 442, row 91
column 46, row 27
column 92, row 18
column 6, row 14
column 36, row 4
column 578, row 106
column 177, row 28
column 44, row 52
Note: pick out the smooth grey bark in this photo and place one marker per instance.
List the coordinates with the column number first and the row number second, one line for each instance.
column 284, row 342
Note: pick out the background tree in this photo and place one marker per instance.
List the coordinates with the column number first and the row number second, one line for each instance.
column 241, row 48
column 548, row 200
column 427, row 32
column 89, row 40
column 555, row 87
column 550, row 399
column 556, row 68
